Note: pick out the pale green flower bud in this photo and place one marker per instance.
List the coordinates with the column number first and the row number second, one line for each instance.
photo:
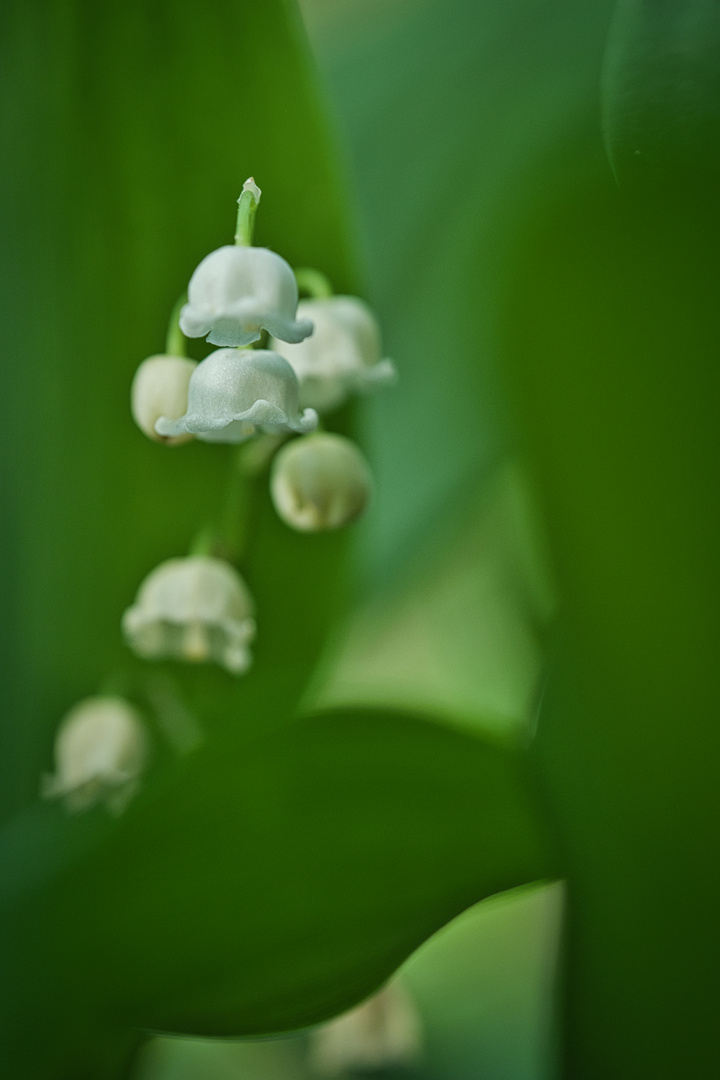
column 196, row 609
column 236, row 292
column 232, row 393
column 320, row 482
column 343, row 356
column 160, row 388
column 382, row 1033
column 100, row 751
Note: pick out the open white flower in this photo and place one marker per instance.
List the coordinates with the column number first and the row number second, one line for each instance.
column 196, row 609
column 342, row 357
column 236, row 292
column 320, row 482
column 384, row 1032
column 160, row 388
column 233, row 392
column 100, row 751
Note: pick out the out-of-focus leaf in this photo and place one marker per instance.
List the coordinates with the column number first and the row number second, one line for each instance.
column 451, row 111
column 613, row 336
column 661, row 100
column 483, row 988
column 462, row 635
column 128, row 130
column 270, row 888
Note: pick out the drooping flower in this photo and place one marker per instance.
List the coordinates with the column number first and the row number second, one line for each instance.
column 382, row 1033
column 344, row 355
column 233, row 392
column 236, row 292
column 160, row 388
column 196, row 609
column 320, row 482
column 100, row 751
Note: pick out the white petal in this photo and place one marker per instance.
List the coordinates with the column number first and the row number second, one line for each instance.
column 160, row 388
column 236, row 291
column 320, row 482
column 253, row 388
column 190, row 609
column 343, row 356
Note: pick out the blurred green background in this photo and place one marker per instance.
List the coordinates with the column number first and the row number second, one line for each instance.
column 540, row 556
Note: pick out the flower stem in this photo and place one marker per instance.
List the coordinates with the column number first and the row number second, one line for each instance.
column 175, row 340
column 313, row 282
column 237, row 506
column 204, row 541
column 247, row 206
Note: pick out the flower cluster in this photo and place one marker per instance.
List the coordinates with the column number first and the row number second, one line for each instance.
column 311, row 356
column 319, row 352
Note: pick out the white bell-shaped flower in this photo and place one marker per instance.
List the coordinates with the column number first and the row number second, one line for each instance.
column 320, row 482
column 196, row 609
column 344, row 355
column 382, row 1033
column 236, row 292
column 100, row 751
column 160, row 388
column 233, row 392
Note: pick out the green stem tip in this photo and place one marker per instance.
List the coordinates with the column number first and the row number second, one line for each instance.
column 247, row 206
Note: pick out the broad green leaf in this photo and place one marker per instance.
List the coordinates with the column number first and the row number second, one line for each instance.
column 271, row 886
column 128, row 130
column 482, row 992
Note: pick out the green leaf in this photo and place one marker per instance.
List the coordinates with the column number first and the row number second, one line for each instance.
column 272, row 884
column 613, row 335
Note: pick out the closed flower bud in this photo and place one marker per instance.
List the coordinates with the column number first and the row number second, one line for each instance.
column 342, row 357
column 160, row 388
column 383, row 1033
column 232, row 393
column 320, row 482
column 238, row 291
column 100, row 751
column 196, row 609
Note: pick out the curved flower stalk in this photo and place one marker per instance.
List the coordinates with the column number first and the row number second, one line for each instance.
column 160, row 388
column 196, row 609
column 320, row 482
column 344, row 355
column 382, row 1033
column 236, row 292
column 232, row 393
column 100, row 751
